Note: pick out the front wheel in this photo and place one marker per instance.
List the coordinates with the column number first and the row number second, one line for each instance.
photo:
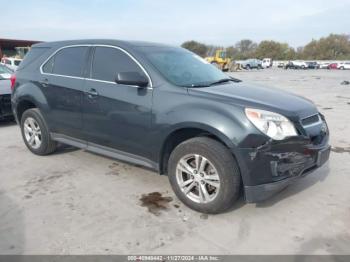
column 204, row 175
column 35, row 133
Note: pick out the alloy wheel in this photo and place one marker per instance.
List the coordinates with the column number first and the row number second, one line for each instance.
column 32, row 133
column 197, row 178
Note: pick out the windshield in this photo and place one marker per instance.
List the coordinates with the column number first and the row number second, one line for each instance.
column 182, row 67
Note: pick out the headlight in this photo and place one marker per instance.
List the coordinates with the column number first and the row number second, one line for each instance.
column 271, row 124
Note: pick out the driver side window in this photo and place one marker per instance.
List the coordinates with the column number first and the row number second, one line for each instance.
column 109, row 61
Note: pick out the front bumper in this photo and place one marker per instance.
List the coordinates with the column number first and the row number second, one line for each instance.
column 268, row 169
column 262, row 192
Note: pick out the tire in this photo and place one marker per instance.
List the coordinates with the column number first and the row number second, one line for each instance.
column 342, row 68
column 217, row 156
column 32, row 119
column 247, row 67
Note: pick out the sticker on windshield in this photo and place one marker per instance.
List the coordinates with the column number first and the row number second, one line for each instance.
column 201, row 59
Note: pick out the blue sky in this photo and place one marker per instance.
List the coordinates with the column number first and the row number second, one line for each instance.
column 219, row 22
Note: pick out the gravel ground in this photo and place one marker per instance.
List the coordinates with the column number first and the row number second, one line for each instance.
column 75, row 202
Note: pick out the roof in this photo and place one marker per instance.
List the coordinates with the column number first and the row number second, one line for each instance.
column 113, row 42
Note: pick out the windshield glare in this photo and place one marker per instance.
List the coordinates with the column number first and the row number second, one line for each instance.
column 182, row 67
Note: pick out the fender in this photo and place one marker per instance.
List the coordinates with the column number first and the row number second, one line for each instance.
column 32, row 93
column 217, row 119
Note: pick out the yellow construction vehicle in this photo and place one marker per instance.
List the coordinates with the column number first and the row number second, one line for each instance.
column 221, row 61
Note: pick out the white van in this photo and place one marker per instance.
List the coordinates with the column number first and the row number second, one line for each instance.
column 266, row 63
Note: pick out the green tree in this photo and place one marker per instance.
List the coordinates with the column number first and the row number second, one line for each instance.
column 232, row 52
column 246, row 49
column 274, row 50
column 196, row 47
column 332, row 47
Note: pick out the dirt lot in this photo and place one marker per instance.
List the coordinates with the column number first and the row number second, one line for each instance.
column 74, row 202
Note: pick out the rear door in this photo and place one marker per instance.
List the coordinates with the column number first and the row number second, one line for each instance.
column 116, row 116
column 62, row 83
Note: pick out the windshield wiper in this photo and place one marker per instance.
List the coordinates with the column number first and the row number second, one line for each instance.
column 224, row 80
column 197, row 85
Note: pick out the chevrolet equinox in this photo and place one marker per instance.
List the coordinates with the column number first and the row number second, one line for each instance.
column 167, row 109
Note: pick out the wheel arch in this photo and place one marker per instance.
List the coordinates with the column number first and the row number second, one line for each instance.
column 28, row 96
column 184, row 132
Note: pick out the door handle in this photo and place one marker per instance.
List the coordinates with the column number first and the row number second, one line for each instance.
column 92, row 93
column 44, row 82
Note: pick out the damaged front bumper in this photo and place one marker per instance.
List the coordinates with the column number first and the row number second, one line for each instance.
column 274, row 165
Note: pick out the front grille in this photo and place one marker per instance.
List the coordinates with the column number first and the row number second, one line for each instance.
column 310, row 120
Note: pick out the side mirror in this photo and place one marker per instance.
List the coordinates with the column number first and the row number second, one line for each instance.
column 131, row 78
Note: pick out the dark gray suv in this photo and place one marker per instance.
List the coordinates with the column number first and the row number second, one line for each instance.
column 167, row 109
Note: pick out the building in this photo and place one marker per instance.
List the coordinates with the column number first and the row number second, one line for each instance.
column 13, row 47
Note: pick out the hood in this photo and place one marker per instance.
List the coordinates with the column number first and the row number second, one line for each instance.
column 260, row 97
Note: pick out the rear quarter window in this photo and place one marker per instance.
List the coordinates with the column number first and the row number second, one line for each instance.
column 31, row 56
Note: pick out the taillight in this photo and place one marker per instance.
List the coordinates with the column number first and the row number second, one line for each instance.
column 13, row 81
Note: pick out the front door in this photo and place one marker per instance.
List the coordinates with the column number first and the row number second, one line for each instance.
column 116, row 116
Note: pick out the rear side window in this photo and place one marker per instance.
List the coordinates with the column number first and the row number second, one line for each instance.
column 109, row 61
column 47, row 68
column 31, row 56
column 68, row 62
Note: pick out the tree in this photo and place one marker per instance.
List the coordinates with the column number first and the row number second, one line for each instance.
column 245, row 48
column 332, row 47
column 274, row 50
column 196, row 47
column 232, row 52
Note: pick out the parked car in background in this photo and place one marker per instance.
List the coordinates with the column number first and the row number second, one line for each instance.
column 324, row 65
column 266, row 63
column 312, row 65
column 332, row 66
column 296, row 65
column 5, row 92
column 251, row 63
column 167, row 109
column 343, row 65
column 5, row 72
column 11, row 62
column 280, row 65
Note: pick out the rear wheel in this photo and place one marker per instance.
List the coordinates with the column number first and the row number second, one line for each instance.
column 342, row 68
column 35, row 133
column 204, row 175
